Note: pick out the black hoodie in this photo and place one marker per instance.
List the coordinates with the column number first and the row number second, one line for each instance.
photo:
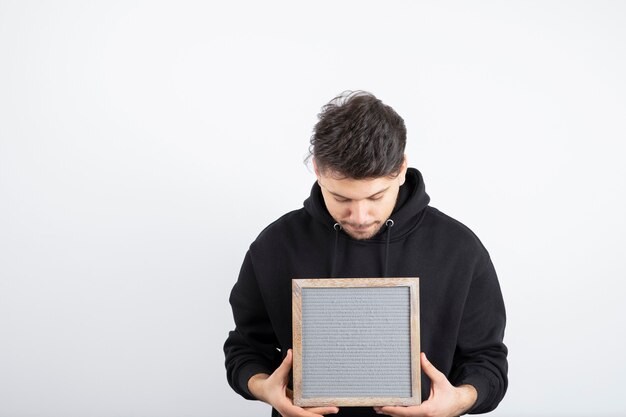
column 462, row 316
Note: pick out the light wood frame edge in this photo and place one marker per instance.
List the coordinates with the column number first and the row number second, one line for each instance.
column 296, row 314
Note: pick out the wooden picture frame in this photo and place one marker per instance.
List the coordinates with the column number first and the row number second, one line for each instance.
column 356, row 342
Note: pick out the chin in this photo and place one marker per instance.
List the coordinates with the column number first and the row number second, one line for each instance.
column 367, row 234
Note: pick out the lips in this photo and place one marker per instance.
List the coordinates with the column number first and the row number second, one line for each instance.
column 360, row 228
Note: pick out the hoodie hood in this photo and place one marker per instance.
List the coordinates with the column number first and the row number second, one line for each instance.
column 406, row 216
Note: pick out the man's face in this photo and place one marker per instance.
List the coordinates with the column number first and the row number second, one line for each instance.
column 361, row 207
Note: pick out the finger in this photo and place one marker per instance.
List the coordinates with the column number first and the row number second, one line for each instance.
column 323, row 410
column 400, row 411
column 287, row 409
column 284, row 368
column 429, row 369
column 379, row 410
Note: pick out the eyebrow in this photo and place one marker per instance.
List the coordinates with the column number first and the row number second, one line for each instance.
column 373, row 195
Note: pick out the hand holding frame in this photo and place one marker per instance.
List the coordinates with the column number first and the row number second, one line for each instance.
column 445, row 399
column 273, row 390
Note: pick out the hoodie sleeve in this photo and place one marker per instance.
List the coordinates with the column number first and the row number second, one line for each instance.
column 250, row 348
column 480, row 357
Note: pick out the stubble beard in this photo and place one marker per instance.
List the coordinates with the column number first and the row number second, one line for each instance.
column 368, row 233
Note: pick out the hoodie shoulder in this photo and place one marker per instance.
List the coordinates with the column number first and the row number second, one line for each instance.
column 282, row 228
column 447, row 230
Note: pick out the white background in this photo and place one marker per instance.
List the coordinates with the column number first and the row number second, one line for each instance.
column 144, row 145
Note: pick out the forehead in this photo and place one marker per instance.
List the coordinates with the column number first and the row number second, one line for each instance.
column 355, row 189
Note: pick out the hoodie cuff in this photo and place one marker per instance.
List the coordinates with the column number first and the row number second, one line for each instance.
column 484, row 389
column 248, row 371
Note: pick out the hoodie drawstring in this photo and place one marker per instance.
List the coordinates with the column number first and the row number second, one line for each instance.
column 337, row 228
column 389, row 223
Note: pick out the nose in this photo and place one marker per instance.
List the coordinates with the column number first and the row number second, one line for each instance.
column 359, row 213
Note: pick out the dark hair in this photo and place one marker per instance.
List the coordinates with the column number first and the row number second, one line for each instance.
column 357, row 136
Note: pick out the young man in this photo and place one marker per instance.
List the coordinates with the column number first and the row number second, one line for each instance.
column 368, row 216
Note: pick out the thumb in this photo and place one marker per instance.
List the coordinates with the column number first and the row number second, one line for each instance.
column 284, row 368
column 429, row 369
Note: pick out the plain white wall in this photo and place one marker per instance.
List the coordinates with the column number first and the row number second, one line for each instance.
column 144, row 145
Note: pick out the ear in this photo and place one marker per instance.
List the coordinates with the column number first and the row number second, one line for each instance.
column 316, row 169
column 402, row 174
